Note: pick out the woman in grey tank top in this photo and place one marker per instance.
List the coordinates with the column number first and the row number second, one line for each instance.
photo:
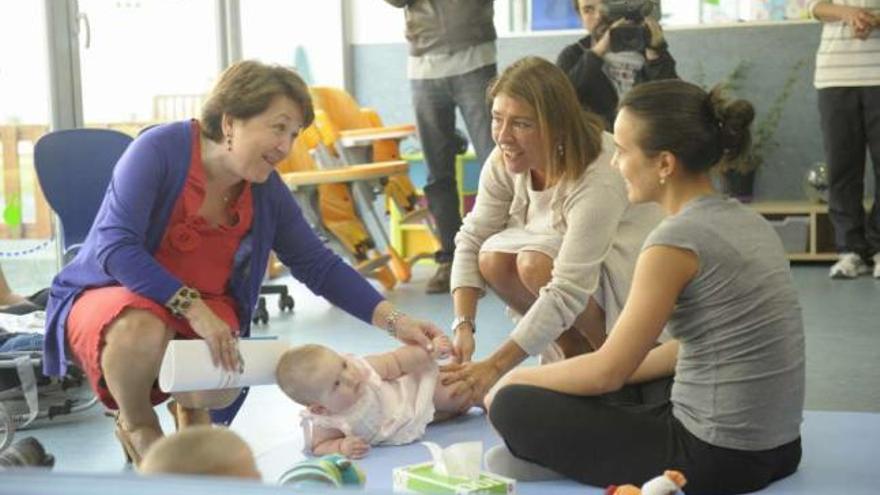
column 715, row 276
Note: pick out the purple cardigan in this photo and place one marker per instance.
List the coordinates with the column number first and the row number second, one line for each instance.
column 132, row 220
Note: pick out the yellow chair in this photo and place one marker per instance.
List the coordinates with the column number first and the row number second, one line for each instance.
column 326, row 201
column 351, row 135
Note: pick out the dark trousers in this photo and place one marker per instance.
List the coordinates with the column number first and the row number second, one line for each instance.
column 850, row 119
column 435, row 101
column 605, row 441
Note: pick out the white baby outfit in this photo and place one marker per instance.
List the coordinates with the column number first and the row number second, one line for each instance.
column 388, row 412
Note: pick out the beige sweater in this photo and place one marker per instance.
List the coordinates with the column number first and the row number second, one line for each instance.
column 602, row 236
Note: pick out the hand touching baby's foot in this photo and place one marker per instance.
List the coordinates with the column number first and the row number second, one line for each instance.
column 442, row 347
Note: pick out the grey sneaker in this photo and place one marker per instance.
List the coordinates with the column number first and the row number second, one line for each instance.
column 849, row 265
column 500, row 460
column 439, row 283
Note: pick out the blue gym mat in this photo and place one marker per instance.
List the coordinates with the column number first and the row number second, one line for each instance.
column 841, row 451
column 840, row 456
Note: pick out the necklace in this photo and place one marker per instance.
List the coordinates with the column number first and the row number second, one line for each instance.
column 230, row 194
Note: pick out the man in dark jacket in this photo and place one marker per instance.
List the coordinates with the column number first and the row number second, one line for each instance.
column 452, row 58
column 600, row 75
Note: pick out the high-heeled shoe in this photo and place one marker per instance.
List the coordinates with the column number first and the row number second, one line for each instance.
column 185, row 417
column 132, row 456
column 173, row 409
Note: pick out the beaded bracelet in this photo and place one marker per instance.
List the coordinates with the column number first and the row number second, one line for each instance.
column 182, row 300
column 391, row 322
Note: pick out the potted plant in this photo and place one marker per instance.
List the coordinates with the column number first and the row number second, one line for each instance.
column 738, row 179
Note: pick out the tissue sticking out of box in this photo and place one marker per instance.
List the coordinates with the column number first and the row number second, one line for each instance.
column 455, row 469
column 459, row 459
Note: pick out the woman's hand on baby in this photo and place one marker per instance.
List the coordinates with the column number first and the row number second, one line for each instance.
column 220, row 338
column 354, row 447
column 417, row 332
column 463, row 344
column 442, row 347
column 478, row 376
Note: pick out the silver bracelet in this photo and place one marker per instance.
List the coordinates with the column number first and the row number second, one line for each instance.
column 391, row 322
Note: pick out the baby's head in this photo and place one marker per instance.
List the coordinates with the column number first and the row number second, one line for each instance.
column 319, row 378
column 201, row 450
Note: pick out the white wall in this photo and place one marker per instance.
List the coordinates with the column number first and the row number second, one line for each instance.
column 376, row 21
column 273, row 29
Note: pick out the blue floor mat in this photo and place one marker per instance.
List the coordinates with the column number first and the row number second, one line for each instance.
column 841, row 451
column 840, row 456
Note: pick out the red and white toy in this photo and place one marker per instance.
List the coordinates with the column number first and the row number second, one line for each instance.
column 668, row 484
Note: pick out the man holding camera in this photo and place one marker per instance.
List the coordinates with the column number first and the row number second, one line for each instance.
column 624, row 47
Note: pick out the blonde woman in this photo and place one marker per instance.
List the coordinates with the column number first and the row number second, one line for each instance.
column 551, row 233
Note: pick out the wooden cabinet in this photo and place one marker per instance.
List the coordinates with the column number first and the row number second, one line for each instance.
column 819, row 241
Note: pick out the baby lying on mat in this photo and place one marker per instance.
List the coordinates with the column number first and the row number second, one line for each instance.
column 353, row 402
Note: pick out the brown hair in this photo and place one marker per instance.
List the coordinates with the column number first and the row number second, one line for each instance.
column 701, row 129
column 246, row 89
column 544, row 87
column 199, row 450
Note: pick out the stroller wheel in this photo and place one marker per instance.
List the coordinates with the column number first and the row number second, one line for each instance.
column 7, row 428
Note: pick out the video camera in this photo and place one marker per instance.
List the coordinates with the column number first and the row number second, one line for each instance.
column 633, row 35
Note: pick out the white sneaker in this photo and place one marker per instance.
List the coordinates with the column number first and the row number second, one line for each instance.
column 877, row 265
column 849, row 265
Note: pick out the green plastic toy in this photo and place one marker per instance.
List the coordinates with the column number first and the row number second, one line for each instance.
column 333, row 470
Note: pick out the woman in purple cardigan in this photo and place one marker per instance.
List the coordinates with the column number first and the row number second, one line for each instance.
column 179, row 248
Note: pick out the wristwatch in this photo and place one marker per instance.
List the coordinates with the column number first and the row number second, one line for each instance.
column 463, row 319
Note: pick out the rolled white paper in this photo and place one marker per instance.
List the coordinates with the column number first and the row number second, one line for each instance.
column 187, row 366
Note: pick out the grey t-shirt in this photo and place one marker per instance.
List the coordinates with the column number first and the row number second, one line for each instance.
column 739, row 380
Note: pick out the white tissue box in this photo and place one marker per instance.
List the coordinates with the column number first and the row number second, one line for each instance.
column 421, row 478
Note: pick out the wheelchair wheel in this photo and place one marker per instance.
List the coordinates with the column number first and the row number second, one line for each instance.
column 285, row 302
column 261, row 314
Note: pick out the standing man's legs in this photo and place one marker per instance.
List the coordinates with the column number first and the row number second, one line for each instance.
column 843, row 132
column 470, row 95
column 871, row 102
column 435, row 119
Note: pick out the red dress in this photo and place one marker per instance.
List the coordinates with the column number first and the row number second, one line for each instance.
column 197, row 253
